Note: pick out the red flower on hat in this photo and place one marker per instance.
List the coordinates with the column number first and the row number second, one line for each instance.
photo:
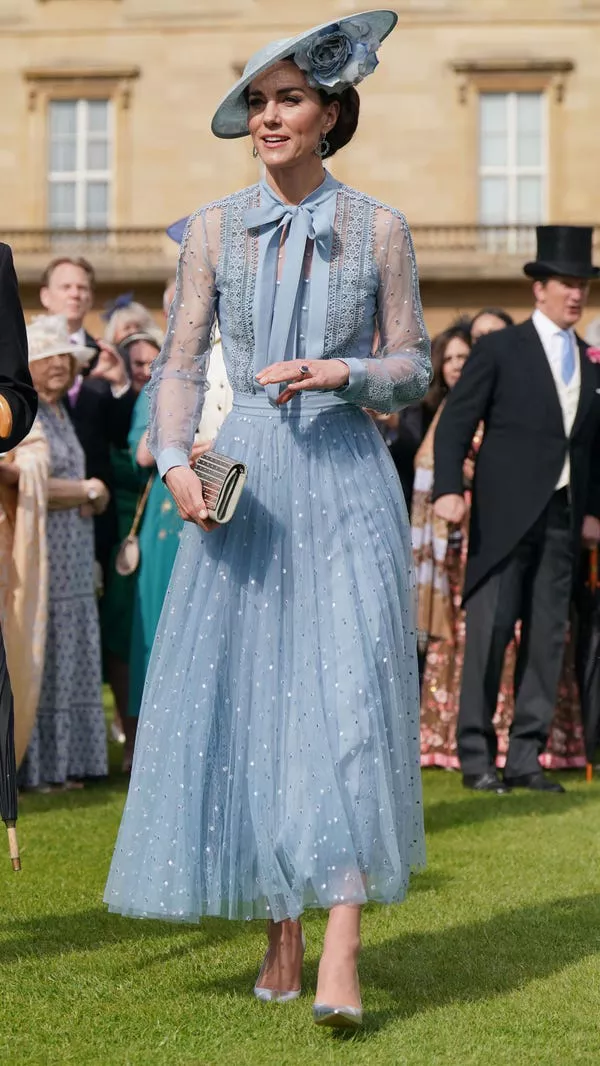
column 593, row 355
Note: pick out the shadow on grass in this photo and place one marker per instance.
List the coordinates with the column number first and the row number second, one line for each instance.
column 96, row 929
column 473, row 809
column 466, row 963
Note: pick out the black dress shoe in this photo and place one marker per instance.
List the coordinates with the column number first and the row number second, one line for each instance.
column 536, row 782
column 487, row 782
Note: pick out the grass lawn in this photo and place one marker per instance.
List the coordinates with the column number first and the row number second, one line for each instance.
column 494, row 959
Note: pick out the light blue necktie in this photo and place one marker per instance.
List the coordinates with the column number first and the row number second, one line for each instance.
column 276, row 304
column 567, row 359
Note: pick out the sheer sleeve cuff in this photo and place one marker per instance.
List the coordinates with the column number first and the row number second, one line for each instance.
column 354, row 385
column 170, row 457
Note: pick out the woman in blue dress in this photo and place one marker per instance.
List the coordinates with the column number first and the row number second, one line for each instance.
column 277, row 760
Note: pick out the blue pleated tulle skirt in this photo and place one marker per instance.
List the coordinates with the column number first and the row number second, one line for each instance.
column 277, row 759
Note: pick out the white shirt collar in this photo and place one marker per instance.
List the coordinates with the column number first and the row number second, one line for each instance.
column 79, row 336
column 546, row 328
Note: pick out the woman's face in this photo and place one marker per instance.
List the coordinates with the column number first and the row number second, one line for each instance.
column 455, row 357
column 485, row 324
column 53, row 376
column 141, row 357
column 286, row 118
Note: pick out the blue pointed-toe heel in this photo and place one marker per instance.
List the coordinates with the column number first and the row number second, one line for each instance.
column 337, row 1017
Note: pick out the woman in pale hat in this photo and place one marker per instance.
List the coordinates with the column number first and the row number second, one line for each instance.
column 277, row 761
column 68, row 740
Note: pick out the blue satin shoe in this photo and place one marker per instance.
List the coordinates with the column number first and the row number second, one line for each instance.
column 273, row 995
column 337, row 1017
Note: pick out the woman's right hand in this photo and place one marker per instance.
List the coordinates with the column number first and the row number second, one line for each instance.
column 100, row 503
column 186, row 489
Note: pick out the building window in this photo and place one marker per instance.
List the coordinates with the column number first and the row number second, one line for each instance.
column 512, row 158
column 79, row 164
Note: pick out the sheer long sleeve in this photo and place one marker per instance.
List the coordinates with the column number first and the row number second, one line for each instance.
column 399, row 372
column 178, row 384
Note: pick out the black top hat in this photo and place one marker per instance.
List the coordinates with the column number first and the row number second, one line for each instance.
column 563, row 251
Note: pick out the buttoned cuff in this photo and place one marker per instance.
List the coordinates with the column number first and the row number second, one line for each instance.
column 170, row 457
column 358, row 376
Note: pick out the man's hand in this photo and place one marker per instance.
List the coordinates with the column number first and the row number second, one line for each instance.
column 186, row 489
column 110, row 366
column 591, row 531
column 450, row 508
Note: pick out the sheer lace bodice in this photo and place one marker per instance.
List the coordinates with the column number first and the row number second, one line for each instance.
column 367, row 312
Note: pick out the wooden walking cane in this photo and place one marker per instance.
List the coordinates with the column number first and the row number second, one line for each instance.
column 589, row 767
column 13, row 845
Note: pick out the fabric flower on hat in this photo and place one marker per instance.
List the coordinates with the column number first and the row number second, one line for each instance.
column 339, row 57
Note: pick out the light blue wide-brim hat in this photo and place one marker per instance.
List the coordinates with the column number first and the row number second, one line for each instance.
column 231, row 116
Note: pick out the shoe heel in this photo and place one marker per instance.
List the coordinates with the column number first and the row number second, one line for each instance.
column 273, row 995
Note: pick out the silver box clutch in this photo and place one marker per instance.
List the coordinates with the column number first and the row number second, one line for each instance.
column 222, row 482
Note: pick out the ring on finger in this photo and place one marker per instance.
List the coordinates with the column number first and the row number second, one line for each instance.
column 304, row 370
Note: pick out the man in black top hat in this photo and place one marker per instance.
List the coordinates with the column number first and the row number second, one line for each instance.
column 536, row 492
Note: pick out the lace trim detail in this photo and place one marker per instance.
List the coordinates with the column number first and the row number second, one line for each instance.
column 237, row 271
column 351, row 260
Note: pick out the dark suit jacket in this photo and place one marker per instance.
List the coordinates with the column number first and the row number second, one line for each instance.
column 414, row 423
column 508, row 384
column 15, row 379
column 101, row 421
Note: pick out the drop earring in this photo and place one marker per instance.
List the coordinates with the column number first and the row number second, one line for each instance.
column 255, row 152
column 322, row 149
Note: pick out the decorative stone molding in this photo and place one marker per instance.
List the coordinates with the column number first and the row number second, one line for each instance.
column 89, row 81
column 512, row 75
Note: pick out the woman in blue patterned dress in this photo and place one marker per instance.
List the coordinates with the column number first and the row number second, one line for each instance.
column 277, row 761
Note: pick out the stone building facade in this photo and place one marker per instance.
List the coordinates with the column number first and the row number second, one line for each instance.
column 481, row 120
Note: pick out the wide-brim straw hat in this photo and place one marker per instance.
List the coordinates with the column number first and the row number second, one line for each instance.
column 231, row 116
column 49, row 335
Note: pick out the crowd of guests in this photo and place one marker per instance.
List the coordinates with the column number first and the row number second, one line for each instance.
column 89, row 533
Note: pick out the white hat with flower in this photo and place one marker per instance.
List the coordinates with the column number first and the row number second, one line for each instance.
column 333, row 56
column 49, row 335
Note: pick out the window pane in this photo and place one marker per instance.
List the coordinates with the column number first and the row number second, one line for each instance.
column 63, row 155
column 63, row 118
column 493, row 201
column 96, row 205
column 97, row 155
column 529, row 129
column 493, row 137
column 529, row 200
column 62, row 204
column 97, row 116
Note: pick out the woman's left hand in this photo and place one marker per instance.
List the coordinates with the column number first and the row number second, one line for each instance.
column 322, row 374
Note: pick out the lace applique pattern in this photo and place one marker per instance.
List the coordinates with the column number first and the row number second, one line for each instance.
column 236, row 280
column 351, row 272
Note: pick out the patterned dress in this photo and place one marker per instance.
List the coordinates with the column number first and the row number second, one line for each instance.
column 69, row 736
column 277, row 757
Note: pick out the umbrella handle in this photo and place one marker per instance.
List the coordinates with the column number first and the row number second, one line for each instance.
column 13, row 845
column 589, row 772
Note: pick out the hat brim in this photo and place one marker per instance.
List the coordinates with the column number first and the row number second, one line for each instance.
column 231, row 117
column 543, row 269
column 141, row 335
column 81, row 354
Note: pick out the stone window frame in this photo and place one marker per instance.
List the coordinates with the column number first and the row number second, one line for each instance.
column 44, row 84
column 550, row 77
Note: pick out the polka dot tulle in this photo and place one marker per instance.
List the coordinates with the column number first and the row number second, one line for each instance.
column 277, row 761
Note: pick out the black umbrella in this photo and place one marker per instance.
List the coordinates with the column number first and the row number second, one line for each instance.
column 8, row 765
column 588, row 660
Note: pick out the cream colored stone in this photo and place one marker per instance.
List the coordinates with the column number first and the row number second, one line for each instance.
column 416, row 147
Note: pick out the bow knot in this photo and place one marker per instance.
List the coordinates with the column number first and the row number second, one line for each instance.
column 275, row 304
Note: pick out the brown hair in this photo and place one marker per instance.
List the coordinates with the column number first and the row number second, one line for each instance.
column 76, row 261
column 438, row 389
column 347, row 121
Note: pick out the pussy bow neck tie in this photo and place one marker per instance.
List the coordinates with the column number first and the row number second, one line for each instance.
column 276, row 302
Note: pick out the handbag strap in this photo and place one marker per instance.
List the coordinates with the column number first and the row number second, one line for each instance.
column 141, row 506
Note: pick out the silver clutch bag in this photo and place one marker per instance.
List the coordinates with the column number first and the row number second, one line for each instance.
column 222, row 482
